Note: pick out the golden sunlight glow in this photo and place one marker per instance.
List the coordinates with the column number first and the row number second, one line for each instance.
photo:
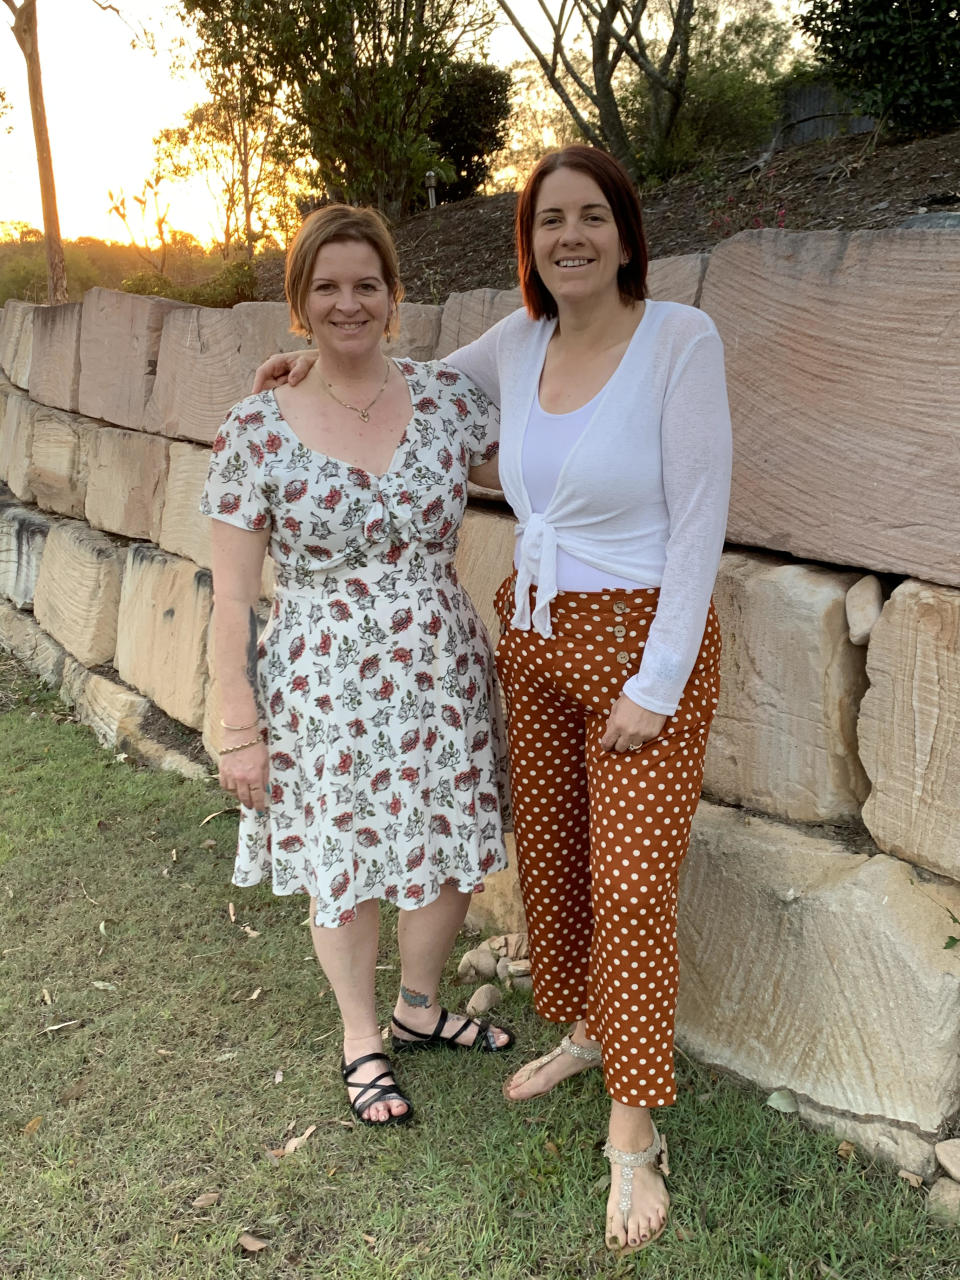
column 106, row 101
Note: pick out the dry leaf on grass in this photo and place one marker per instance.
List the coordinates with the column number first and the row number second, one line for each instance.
column 369, row 1239
column 913, row 1178
column 31, row 1127
column 165, row 1053
column 232, row 912
column 105, row 986
column 208, row 844
column 292, row 1144
column 251, row 933
column 173, row 855
column 45, row 996
column 255, row 995
column 846, row 1150
column 251, row 1243
column 234, row 808
column 552, row 1148
column 60, row 1026
column 783, row 1100
column 278, row 1078
column 206, row 1200
column 74, row 1092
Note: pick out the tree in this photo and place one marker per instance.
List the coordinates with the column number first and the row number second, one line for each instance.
column 25, row 33
column 616, row 42
column 238, row 149
column 470, row 123
column 738, row 49
column 360, row 79
column 538, row 120
column 898, row 59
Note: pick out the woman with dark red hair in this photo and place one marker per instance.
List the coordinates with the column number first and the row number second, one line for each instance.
column 615, row 457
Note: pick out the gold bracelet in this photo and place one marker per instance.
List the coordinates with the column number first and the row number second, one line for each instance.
column 238, row 728
column 254, row 742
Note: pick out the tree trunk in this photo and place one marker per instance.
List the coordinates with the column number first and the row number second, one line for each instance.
column 25, row 30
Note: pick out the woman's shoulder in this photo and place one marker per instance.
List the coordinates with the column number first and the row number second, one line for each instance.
column 439, row 374
column 252, row 411
column 681, row 320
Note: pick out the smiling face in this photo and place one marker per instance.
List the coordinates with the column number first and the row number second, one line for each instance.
column 576, row 243
column 348, row 303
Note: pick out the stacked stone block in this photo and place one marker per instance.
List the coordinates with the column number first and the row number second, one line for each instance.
column 824, row 869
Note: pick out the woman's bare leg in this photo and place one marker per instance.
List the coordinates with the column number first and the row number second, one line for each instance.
column 348, row 957
column 426, row 936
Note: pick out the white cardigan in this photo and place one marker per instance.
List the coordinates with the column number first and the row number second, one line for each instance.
column 644, row 492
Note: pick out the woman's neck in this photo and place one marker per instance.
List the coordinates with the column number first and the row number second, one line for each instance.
column 598, row 323
column 354, row 370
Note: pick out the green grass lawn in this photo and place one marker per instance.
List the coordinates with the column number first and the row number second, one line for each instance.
column 164, row 1086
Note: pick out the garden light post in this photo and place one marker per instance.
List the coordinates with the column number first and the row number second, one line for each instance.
column 430, row 178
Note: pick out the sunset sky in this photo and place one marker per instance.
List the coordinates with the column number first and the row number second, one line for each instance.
column 105, row 102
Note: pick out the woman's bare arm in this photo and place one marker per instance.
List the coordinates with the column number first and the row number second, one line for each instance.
column 237, row 565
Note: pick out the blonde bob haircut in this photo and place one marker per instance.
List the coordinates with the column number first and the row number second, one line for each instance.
column 334, row 224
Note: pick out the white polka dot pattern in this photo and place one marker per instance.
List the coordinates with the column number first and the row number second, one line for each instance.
column 601, row 835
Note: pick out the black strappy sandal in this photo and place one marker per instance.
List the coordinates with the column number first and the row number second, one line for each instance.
column 483, row 1042
column 380, row 1092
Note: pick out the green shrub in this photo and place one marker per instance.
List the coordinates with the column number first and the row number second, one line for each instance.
column 236, row 282
column 899, row 62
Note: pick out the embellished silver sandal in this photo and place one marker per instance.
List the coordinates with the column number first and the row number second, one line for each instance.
column 590, row 1054
column 655, row 1154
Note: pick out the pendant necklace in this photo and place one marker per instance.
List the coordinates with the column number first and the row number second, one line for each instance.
column 364, row 413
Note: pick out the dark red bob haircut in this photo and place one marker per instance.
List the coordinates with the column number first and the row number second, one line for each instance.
column 621, row 195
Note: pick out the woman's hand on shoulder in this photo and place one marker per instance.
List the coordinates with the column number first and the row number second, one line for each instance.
column 245, row 773
column 629, row 726
column 286, row 367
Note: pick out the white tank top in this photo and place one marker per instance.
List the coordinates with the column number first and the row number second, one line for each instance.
column 547, row 444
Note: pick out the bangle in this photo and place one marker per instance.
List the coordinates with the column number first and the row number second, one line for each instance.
column 254, row 742
column 238, row 728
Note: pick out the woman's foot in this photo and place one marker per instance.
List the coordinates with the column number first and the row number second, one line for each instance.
column 366, row 1067
column 574, row 1054
column 455, row 1029
column 638, row 1202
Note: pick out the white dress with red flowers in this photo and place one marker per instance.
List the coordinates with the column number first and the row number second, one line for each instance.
column 376, row 680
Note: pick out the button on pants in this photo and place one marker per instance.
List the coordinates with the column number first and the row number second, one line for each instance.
column 601, row 835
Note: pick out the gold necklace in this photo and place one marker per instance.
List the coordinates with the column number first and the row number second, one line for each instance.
column 364, row 413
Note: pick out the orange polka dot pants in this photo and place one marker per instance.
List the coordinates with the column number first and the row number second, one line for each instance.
column 601, row 835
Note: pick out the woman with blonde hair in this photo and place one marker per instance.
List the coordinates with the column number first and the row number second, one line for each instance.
column 359, row 733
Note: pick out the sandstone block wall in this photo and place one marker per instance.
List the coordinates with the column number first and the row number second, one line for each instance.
column 795, row 954
column 16, row 441
column 77, row 593
column 840, row 700
column 60, row 460
column 126, row 482
column 16, row 341
column 23, row 535
column 784, row 739
column 119, row 348
column 55, row 356
column 841, row 361
column 162, row 643
column 910, row 727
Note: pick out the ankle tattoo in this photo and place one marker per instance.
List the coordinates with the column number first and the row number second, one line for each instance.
column 416, row 999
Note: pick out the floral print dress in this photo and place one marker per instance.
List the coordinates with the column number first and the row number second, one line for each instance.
column 375, row 675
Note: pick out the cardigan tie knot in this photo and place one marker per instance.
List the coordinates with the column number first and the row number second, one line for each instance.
column 537, row 565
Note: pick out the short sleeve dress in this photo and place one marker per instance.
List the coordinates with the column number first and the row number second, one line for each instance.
column 375, row 675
